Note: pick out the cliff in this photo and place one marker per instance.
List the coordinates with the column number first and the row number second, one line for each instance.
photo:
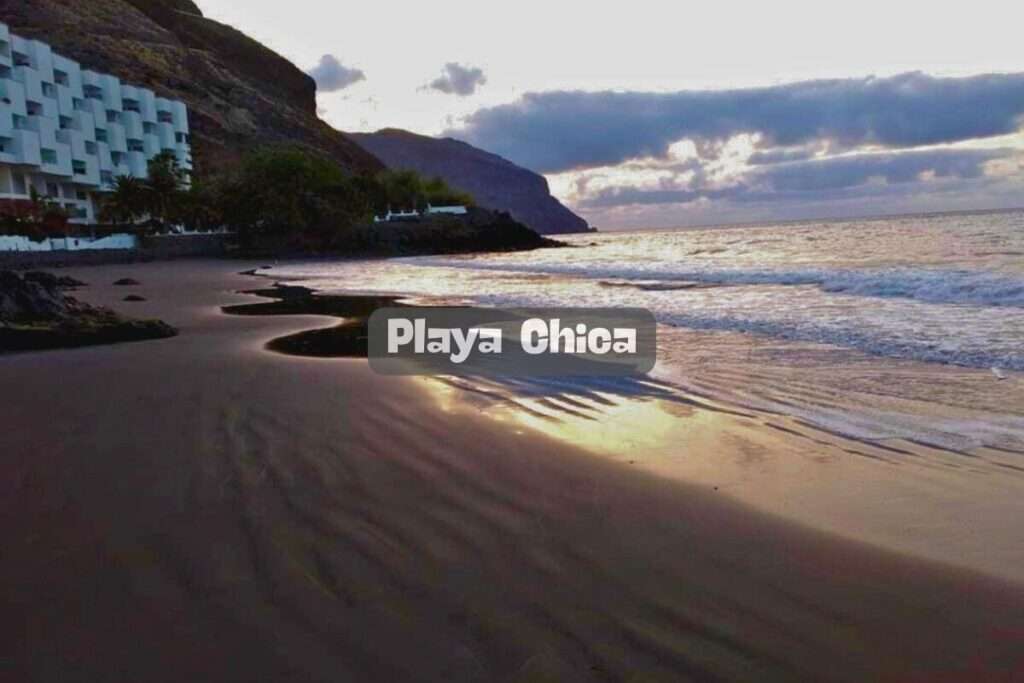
column 494, row 182
column 239, row 93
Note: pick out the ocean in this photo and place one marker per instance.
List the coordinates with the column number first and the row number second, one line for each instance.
column 909, row 327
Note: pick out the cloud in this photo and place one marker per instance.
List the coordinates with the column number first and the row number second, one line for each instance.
column 850, row 171
column 817, row 179
column 331, row 75
column 780, row 155
column 559, row 131
column 456, row 79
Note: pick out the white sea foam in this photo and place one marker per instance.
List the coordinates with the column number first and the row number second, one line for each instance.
column 947, row 290
column 935, row 285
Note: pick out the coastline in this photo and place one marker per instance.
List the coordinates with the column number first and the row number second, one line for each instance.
column 206, row 508
column 922, row 498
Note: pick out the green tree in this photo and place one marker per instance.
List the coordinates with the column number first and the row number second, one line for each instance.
column 438, row 193
column 160, row 196
column 165, row 185
column 284, row 197
column 201, row 207
column 128, row 203
column 274, row 190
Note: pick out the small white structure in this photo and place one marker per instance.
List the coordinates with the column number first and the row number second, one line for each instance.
column 392, row 216
column 68, row 132
column 450, row 210
column 395, row 216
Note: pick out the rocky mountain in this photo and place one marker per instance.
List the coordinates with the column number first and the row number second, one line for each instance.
column 494, row 182
column 239, row 93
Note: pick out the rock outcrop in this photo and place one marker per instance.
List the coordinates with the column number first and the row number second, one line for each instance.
column 495, row 182
column 239, row 93
column 36, row 314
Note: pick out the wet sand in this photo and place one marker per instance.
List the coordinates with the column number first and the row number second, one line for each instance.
column 200, row 508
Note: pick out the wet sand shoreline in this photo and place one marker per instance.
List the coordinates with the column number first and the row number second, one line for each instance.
column 199, row 507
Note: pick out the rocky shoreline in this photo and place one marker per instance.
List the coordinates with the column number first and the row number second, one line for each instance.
column 36, row 313
column 348, row 339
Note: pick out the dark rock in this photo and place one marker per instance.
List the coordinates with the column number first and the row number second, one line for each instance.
column 24, row 299
column 494, row 182
column 481, row 230
column 53, row 281
column 126, row 282
column 36, row 314
column 134, row 297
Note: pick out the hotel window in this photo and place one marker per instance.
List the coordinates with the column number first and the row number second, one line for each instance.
column 5, row 48
column 165, row 117
column 113, row 116
column 5, row 145
column 149, row 128
column 181, row 137
column 48, row 156
column 106, row 178
column 101, row 135
column 60, row 77
column 136, row 146
column 81, row 195
column 20, row 122
column 93, row 92
column 79, row 167
column 130, row 105
column 52, row 190
column 117, row 158
column 21, row 59
column 65, row 122
column 49, row 89
column 34, row 108
column 90, row 147
column 79, row 105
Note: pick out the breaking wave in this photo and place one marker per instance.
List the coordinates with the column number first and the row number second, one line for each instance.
column 933, row 285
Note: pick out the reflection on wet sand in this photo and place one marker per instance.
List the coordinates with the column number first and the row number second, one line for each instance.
column 949, row 505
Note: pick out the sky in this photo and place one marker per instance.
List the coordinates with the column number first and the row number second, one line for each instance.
column 658, row 114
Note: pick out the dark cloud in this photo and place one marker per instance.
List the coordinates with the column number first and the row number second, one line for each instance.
column 780, row 155
column 565, row 130
column 331, row 75
column 456, row 79
column 818, row 179
column 849, row 171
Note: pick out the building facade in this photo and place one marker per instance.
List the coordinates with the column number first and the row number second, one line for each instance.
column 69, row 132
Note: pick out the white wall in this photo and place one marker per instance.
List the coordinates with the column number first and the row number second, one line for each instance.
column 19, row 243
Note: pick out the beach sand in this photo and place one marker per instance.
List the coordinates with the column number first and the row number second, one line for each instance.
column 199, row 508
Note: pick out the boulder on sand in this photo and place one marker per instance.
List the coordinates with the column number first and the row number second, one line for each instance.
column 36, row 314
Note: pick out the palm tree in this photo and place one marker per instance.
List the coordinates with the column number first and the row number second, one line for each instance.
column 129, row 201
column 166, row 182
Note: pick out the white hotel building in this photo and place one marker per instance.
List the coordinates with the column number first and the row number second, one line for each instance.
column 69, row 132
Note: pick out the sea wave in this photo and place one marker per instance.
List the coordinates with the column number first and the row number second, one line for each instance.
column 872, row 343
column 931, row 285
